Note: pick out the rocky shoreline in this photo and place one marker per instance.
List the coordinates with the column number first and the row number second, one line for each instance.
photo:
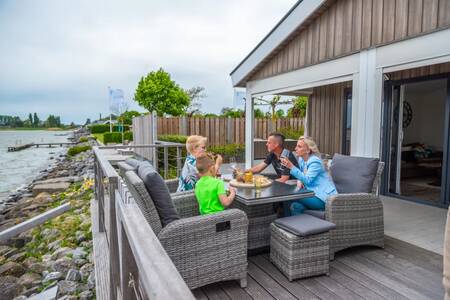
column 53, row 260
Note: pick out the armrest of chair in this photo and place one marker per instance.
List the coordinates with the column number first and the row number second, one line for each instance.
column 350, row 206
column 200, row 232
column 172, row 184
column 186, row 204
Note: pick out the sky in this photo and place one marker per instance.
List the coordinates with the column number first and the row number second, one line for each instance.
column 59, row 56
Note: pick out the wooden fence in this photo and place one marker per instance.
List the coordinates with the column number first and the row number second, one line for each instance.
column 221, row 131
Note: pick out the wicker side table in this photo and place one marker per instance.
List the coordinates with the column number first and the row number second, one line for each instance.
column 300, row 256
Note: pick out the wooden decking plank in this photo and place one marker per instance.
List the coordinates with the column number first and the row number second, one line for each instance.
column 101, row 256
column 234, row 291
column 382, row 275
column 317, row 289
column 396, row 275
column 295, row 289
column 366, row 281
column 416, row 273
column 336, row 287
column 255, row 290
column 353, row 285
column 424, row 258
column 269, row 284
column 199, row 294
column 214, row 292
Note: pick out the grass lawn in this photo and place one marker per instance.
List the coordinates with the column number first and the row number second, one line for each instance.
column 99, row 137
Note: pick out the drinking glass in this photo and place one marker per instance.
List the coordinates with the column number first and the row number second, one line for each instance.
column 233, row 163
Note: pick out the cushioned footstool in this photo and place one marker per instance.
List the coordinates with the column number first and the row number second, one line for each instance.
column 300, row 246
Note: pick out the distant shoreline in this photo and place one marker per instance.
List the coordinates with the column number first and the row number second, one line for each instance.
column 35, row 129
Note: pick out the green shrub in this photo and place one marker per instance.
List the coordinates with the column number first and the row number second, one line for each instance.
column 230, row 150
column 116, row 137
column 174, row 138
column 78, row 149
column 102, row 128
column 83, row 139
column 291, row 133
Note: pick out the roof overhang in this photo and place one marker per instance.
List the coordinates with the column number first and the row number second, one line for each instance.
column 300, row 12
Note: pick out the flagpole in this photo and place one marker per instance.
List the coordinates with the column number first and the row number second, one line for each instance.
column 110, row 119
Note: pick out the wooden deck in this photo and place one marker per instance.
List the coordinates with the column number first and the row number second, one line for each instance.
column 400, row 271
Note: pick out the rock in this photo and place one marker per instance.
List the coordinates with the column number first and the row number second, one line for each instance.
column 80, row 236
column 48, row 294
column 31, row 291
column 29, row 261
column 68, row 297
column 79, row 261
column 50, row 187
column 86, row 270
column 62, row 252
column 54, row 245
column 50, row 234
column 73, row 275
column 12, row 268
column 52, row 276
column 63, row 265
column 43, row 197
column 37, row 267
column 91, row 280
column 66, row 287
column 5, row 249
column 86, row 295
column 9, row 288
column 69, row 179
column 28, row 279
column 23, row 297
column 79, row 253
column 19, row 257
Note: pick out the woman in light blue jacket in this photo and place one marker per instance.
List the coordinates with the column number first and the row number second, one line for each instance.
column 312, row 175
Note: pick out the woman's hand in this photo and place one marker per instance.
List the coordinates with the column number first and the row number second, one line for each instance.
column 287, row 163
column 300, row 184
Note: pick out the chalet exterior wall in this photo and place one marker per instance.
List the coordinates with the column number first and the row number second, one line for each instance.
column 349, row 26
column 325, row 116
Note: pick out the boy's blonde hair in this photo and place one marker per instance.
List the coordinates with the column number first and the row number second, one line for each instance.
column 195, row 141
column 204, row 163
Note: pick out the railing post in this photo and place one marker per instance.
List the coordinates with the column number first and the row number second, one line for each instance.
column 166, row 162
column 127, row 267
column 100, row 194
column 112, row 237
column 179, row 161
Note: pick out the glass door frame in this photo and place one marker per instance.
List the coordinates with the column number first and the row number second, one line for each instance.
column 389, row 87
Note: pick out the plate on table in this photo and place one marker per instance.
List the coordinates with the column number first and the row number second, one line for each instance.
column 265, row 182
column 291, row 181
column 227, row 177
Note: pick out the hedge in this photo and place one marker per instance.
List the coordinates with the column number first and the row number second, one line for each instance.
column 116, row 137
column 78, row 149
column 102, row 128
column 174, row 138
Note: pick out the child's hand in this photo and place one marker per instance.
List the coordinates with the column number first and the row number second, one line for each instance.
column 232, row 190
column 219, row 159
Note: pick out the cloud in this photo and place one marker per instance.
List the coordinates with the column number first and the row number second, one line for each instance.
column 61, row 55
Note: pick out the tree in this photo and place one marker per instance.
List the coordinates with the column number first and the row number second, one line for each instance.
column 232, row 113
column 35, row 120
column 258, row 113
column 30, row 118
column 299, row 108
column 127, row 117
column 88, row 121
column 195, row 94
column 157, row 92
column 279, row 113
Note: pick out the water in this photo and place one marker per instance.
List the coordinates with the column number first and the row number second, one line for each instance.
column 19, row 168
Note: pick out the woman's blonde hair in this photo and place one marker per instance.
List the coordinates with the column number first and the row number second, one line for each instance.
column 311, row 145
column 195, row 141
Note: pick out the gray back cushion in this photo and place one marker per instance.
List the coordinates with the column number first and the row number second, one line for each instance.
column 352, row 174
column 304, row 225
column 133, row 163
column 159, row 192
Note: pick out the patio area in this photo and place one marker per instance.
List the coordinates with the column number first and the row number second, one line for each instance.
column 400, row 271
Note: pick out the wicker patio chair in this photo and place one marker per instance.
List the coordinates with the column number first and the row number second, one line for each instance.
column 358, row 218
column 205, row 249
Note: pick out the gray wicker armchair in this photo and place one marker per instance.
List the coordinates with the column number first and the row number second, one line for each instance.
column 358, row 218
column 205, row 249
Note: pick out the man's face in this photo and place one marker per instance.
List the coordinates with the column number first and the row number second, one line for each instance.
column 271, row 144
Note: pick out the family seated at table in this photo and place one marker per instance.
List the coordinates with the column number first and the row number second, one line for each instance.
column 308, row 168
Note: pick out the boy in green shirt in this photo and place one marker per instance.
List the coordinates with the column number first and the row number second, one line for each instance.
column 210, row 191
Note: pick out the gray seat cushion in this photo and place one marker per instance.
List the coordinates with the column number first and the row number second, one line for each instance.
column 352, row 174
column 304, row 225
column 315, row 213
column 133, row 163
column 159, row 193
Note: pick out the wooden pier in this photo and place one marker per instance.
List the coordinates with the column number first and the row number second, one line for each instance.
column 37, row 145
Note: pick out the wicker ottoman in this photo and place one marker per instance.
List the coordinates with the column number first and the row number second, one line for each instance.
column 300, row 246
